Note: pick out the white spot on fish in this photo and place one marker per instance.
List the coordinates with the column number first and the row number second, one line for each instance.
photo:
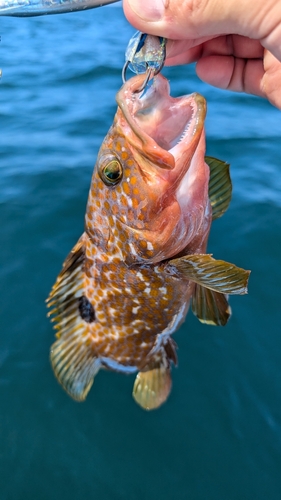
column 130, row 203
column 135, row 309
column 140, row 276
column 128, row 179
column 137, row 322
column 163, row 290
column 147, row 290
column 132, row 249
column 149, row 246
column 111, row 311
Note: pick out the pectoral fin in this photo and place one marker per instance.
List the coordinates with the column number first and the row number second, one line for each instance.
column 220, row 187
column 210, row 307
column 152, row 387
column 217, row 275
column 72, row 355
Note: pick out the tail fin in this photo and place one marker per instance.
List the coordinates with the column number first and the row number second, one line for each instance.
column 153, row 385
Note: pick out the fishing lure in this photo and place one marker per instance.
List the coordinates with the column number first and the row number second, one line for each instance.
column 145, row 54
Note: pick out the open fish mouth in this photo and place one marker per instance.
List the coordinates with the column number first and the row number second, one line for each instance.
column 160, row 121
column 165, row 136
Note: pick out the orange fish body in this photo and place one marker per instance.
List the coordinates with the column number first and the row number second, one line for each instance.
column 126, row 285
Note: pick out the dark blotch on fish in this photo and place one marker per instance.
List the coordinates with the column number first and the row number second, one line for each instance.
column 86, row 310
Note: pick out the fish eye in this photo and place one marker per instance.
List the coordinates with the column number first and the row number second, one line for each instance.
column 111, row 173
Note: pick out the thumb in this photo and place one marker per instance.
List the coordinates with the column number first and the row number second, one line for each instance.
column 181, row 19
column 194, row 19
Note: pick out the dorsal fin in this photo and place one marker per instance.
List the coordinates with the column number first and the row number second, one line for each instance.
column 67, row 289
column 210, row 307
column 220, row 187
column 72, row 355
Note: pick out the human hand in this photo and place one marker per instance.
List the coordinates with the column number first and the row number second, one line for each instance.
column 236, row 43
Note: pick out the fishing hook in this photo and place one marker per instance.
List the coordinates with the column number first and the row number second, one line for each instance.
column 149, row 74
column 145, row 53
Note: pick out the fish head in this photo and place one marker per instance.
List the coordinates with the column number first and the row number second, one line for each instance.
column 149, row 192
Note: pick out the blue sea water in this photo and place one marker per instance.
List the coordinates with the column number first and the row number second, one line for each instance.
column 219, row 435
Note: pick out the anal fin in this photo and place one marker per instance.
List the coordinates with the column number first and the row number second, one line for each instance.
column 210, row 307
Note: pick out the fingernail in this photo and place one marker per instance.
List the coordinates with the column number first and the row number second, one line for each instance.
column 148, row 10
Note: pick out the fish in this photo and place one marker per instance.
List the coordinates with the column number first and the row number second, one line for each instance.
column 127, row 284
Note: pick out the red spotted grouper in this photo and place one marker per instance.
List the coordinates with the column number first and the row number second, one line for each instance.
column 126, row 285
